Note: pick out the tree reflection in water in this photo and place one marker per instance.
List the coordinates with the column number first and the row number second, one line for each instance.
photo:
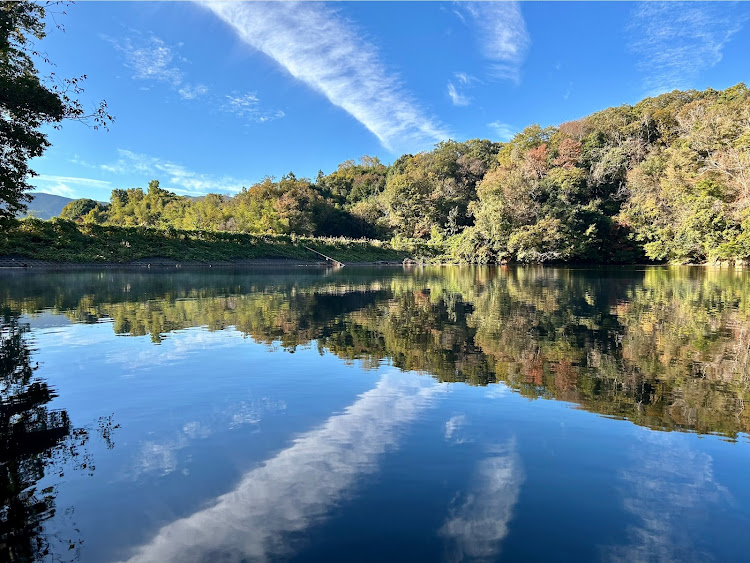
column 34, row 441
column 667, row 348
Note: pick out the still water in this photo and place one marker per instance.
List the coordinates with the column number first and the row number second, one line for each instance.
column 376, row 414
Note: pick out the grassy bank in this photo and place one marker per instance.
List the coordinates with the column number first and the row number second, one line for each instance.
column 66, row 241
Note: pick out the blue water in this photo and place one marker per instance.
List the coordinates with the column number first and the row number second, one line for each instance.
column 378, row 414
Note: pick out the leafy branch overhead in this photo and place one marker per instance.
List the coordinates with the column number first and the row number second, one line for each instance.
column 28, row 101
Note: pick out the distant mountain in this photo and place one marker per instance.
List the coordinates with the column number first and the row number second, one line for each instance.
column 46, row 206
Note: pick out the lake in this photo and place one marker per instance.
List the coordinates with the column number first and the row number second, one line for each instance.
column 367, row 414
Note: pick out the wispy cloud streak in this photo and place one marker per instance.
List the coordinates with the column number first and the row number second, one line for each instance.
column 174, row 176
column 152, row 60
column 320, row 48
column 456, row 89
column 190, row 92
column 247, row 108
column 676, row 41
column 504, row 131
column 149, row 58
column 67, row 186
column 458, row 98
column 502, row 34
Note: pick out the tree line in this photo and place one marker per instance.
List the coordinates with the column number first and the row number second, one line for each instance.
column 667, row 179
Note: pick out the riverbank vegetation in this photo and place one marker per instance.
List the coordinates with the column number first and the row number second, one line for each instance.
column 667, row 179
column 60, row 240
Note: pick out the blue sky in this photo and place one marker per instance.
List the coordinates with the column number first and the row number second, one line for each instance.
column 210, row 97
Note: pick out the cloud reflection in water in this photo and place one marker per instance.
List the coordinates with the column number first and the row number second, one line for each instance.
column 295, row 490
column 476, row 529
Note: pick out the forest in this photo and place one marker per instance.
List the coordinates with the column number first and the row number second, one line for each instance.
column 664, row 180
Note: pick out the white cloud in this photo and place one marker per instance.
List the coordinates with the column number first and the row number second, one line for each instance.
column 247, row 107
column 503, row 131
column 73, row 335
column 456, row 90
column 464, row 78
column 501, row 31
column 319, row 47
column 168, row 454
column 176, row 348
column 173, row 176
column 453, row 424
column 158, row 458
column 66, row 186
column 676, row 41
column 456, row 97
column 190, row 92
column 460, row 16
column 150, row 58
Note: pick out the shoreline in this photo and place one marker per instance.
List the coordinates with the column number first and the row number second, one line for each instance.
column 21, row 263
column 24, row 264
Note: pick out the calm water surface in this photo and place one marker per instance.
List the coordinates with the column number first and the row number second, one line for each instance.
column 376, row 414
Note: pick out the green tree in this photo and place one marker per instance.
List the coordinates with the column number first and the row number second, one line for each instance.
column 77, row 208
column 28, row 101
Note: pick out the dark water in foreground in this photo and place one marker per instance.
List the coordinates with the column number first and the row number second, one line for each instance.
column 376, row 414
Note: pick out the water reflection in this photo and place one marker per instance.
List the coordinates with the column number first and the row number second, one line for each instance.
column 34, row 442
column 475, row 529
column 295, row 489
column 668, row 473
column 161, row 456
column 667, row 348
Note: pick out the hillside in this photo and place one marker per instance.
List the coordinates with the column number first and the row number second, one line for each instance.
column 46, row 206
